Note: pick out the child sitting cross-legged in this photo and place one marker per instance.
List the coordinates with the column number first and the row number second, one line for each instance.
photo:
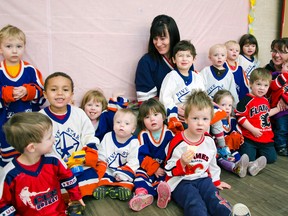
column 119, row 151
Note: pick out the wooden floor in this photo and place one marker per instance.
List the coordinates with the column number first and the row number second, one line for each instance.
column 265, row 194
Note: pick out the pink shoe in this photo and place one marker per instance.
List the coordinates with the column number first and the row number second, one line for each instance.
column 164, row 194
column 138, row 202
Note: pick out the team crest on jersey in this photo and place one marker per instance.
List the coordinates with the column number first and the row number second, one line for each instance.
column 116, row 159
column 38, row 200
column 66, row 143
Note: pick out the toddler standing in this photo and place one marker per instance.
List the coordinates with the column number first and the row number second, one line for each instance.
column 21, row 84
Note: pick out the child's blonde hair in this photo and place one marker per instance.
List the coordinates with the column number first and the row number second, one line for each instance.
column 198, row 99
column 231, row 43
column 10, row 31
column 25, row 128
column 127, row 111
column 260, row 74
column 150, row 105
column 215, row 46
column 95, row 95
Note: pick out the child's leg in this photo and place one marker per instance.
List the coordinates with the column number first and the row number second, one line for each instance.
column 280, row 135
column 216, row 205
column 268, row 150
column 249, row 148
column 187, row 196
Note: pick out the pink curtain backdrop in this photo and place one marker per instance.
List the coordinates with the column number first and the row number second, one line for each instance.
column 99, row 43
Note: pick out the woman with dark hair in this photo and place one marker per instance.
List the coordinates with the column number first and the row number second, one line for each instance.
column 279, row 53
column 154, row 65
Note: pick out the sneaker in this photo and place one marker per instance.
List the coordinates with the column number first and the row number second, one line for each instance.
column 120, row 193
column 140, row 201
column 164, row 194
column 282, row 151
column 242, row 165
column 256, row 166
column 240, row 209
column 75, row 209
column 101, row 192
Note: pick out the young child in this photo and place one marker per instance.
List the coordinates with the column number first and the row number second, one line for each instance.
column 20, row 83
column 217, row 76
column 119, row 150
column 234, row 139
column 73, row 131
column 100, row 112
column 154, row 137
column 253, row 115
column 240, row 78
column 192, row 171
column 31, row 182
column 179, row 82
column 248, row 54
column 278, row 92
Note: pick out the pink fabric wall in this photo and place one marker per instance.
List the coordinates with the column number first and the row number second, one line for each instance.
column 99, row 43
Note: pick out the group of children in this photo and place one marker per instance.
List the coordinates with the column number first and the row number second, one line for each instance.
column 63, row 153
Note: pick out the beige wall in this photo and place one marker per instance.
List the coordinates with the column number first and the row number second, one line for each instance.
column 267, row 26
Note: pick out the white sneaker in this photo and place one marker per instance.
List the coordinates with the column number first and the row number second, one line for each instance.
column 240, row 209
column 242, row 165
column 256, row 166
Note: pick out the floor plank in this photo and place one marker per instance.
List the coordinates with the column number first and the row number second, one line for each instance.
column 264, row 194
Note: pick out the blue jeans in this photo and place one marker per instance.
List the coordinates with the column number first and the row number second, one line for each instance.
column 254, row 149
column 281, row 132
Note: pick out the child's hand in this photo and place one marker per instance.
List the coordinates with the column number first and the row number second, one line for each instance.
column 223, row 185
column 186, row 157
column 181, row 111
column 256, row 132
column 82, row 202
column 19, row 92
column 159, row 172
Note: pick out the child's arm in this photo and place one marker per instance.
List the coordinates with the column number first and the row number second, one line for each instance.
column 255, row 131
column 6, row 207
column 276, row 110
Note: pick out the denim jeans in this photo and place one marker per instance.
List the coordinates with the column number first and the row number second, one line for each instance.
column 281, row 132
column 255, row 149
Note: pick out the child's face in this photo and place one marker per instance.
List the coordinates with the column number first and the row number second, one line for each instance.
column 284, row 68
column 233, row 51
column 198, row 121
column 183, row 60
column 93, row 109
column 46, row 144
column 259, row 88
column 124, row 125
column 226, row 104
column 218, row 57
column 59, row 94
column 162, row 44
column 153, row 121
column 249, row 49
column 12, row 50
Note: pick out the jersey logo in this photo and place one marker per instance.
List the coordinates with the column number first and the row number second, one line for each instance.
column 116, row 159
column 41, row 199
column 66, row 144
column 265, row 120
